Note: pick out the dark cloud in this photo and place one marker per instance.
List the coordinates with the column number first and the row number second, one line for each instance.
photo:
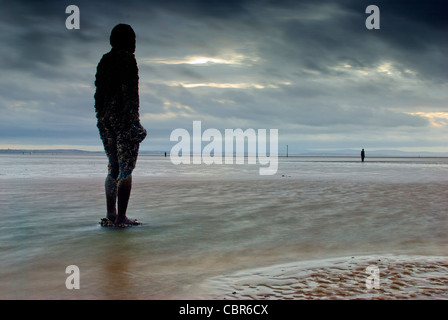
column 309, row 68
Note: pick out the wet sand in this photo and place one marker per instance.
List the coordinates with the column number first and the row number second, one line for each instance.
column 400, row 277
column 205, row 227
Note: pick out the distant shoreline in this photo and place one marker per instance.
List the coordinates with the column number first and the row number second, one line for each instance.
column 62, row 151
column 371, row 154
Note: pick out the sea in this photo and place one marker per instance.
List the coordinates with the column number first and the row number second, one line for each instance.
column 202, row 222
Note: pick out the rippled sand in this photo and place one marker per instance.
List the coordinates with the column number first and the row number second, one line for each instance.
column 400, row 277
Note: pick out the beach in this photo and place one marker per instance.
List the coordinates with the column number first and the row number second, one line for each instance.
column 225, row 232
column 399, row 278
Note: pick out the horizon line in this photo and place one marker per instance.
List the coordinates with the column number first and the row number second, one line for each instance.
column 305, row 153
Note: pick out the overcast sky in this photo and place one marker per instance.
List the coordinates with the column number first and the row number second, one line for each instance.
column 310, row 69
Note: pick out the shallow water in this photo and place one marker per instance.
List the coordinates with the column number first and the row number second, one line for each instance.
column 204, row 221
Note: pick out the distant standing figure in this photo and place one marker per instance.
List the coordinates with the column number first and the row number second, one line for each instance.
column 363, row 155
column 117, row 111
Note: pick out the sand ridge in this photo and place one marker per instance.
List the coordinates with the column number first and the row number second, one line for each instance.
column 400, row 277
